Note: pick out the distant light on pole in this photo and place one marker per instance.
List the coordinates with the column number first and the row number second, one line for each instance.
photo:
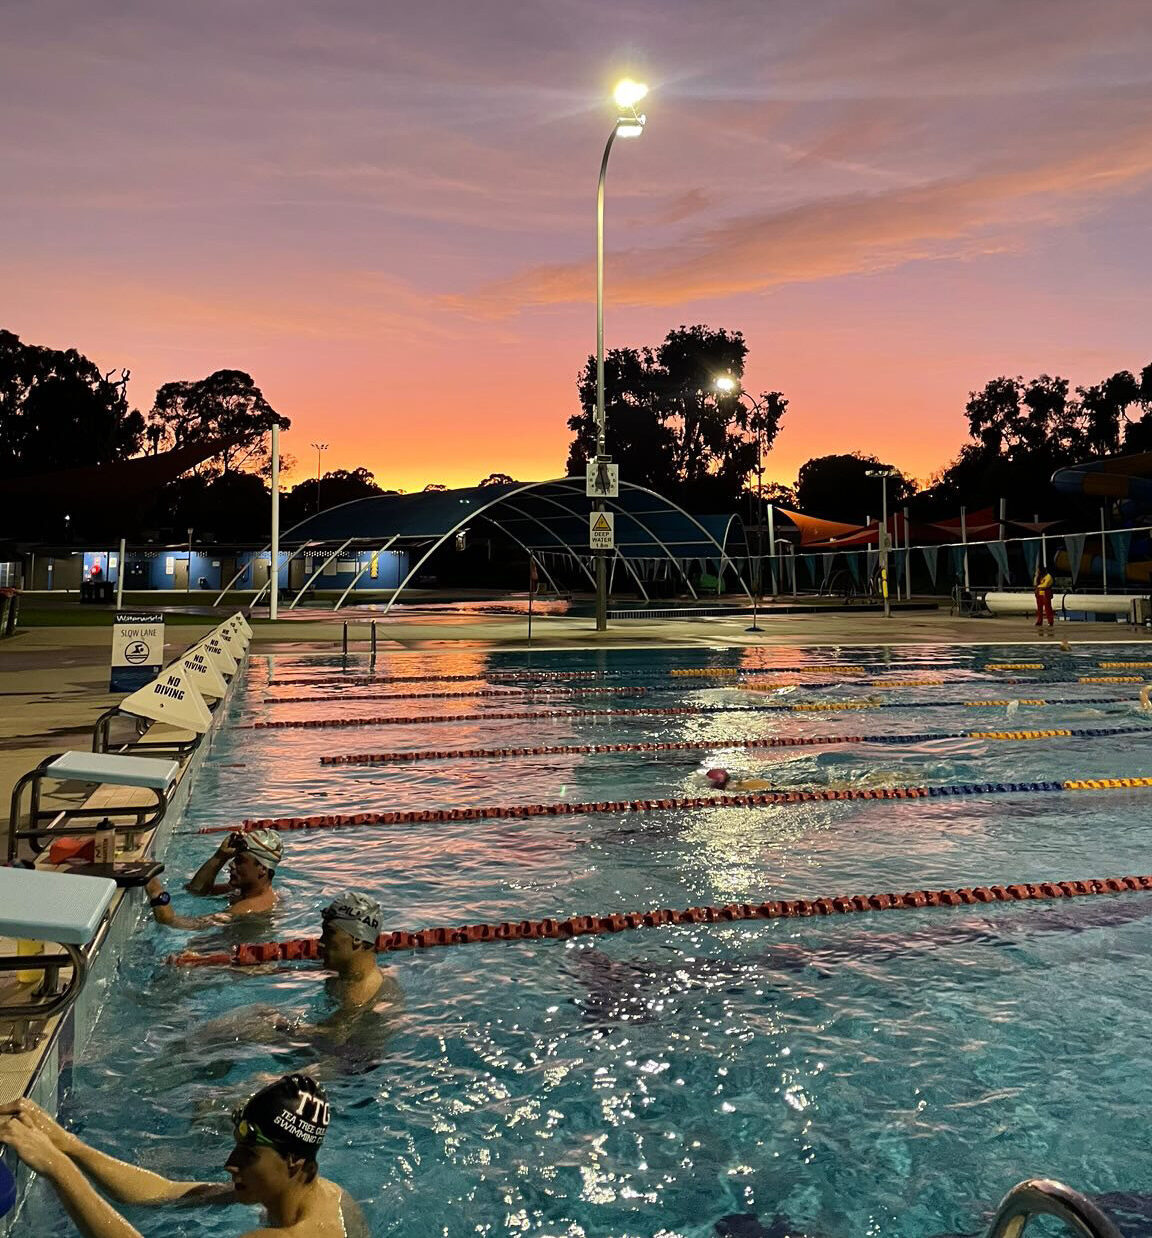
column 320, row 447
column 628, row 93
column 629, row 124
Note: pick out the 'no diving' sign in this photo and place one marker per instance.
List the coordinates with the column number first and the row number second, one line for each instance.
column 602, row 530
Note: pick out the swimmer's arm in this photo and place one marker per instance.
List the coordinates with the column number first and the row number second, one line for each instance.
column 129, row 1184
column 166, row 916
column 204, row 879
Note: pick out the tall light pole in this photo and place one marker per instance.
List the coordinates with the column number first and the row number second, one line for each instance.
column 727, row 385
column 320, row 447
column 884, row 539
column 274, row 550
column 629, row 124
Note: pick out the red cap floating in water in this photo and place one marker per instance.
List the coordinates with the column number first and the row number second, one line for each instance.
column 718, row 778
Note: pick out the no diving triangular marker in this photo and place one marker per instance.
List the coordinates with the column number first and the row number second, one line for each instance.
column 239, row 629
column 199, row 666
column 170, row 698
column 245, row 627
column 226, row 635
column 225, row 662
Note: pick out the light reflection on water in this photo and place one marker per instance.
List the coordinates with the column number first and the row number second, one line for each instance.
column 879, row 1074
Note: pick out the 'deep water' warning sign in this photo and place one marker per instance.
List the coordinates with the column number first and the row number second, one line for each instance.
column 602, row 530
column 137, row 650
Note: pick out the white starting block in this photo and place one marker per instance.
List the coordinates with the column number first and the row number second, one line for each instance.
column 48, row 907
column 151, row 773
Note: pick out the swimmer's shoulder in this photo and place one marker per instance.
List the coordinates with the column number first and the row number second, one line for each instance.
column 336, row 1215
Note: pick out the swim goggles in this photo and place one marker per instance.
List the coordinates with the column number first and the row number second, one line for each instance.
column 248, row 1132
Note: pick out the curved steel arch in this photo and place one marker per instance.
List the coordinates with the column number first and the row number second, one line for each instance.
column 724, row 555
column 561, row 488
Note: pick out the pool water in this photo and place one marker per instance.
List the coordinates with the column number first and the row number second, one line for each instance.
column 892, row 1073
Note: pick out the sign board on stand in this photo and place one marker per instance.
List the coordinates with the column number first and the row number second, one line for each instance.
column 602, row 480
column 602, row 530
column 137, row 650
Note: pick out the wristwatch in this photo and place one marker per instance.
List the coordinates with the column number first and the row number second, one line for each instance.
column 161, row 900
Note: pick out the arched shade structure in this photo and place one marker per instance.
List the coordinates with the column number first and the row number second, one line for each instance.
column 544, row 518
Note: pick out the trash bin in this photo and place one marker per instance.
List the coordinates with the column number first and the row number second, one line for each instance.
column 87, row 591
column 105, row 591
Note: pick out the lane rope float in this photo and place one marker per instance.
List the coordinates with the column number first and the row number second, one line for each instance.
column 1110, row 679
column 696, row 745
column 750, row 799
column 657, row 711
column 1121, row 665
column 308, row 948
column 500, row 693
column 497, row 676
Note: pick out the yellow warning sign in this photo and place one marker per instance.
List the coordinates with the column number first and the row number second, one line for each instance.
column 602, row 530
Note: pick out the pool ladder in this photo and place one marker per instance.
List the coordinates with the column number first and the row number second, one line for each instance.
column 1043, row 1196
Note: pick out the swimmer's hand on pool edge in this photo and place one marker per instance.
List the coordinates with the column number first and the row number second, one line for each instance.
column 48, row 1149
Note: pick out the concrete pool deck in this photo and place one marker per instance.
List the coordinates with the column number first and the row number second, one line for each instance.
column 54, row 679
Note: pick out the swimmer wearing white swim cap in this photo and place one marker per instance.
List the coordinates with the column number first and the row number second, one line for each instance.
column 252, row 858
column 351, row 925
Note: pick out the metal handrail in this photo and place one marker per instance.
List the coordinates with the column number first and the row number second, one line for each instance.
column 1038, row 1196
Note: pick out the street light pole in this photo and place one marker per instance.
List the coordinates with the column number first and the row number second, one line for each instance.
column 883, row 474
column 274, row 550
column 727, row 385
column 629, row 124
column 320, row 447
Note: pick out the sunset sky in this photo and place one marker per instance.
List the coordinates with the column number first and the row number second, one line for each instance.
column 385, row 212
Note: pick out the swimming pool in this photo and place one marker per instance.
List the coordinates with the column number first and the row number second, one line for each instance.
column 879, row 1074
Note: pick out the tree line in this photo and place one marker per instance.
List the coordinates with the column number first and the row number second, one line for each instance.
column 670, row 427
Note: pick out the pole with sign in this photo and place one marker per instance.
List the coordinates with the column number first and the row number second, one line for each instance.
column 137, row 650
column 602, row 530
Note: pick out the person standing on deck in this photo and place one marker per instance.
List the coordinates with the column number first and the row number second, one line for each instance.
column 1042, row 584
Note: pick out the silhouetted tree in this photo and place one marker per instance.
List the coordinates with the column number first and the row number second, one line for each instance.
column 58, row 411
column 668, row 427
column 838, row 488
column 225, row 405
column 435, row 485
column 338, row 486
column 497, row 479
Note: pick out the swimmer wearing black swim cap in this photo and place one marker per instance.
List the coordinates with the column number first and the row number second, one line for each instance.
column 278, row 1135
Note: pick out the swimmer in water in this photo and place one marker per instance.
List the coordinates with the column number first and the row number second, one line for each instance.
column 278, row 1134
column 1145, row 702
column 253, row 859
column 348, row 948
column 721, row 780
